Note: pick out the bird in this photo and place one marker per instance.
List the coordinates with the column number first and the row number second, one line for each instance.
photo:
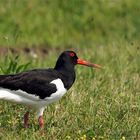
column 38, row 88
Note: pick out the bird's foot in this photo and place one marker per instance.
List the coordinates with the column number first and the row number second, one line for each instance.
column 26, row 119
column 41, row 122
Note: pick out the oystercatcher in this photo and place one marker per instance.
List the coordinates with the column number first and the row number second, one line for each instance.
column 40, row 87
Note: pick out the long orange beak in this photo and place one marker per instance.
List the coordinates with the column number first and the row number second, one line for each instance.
column 83, row 62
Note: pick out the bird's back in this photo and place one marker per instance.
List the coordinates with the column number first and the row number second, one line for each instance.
column 33, row 82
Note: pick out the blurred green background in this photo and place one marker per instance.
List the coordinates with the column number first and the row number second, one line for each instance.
column 68, row 22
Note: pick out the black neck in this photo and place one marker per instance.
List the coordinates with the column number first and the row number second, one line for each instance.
column 67, row 73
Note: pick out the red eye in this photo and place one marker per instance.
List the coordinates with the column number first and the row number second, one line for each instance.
column 72, row 54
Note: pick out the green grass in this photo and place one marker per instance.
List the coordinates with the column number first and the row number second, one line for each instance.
column 102, row 104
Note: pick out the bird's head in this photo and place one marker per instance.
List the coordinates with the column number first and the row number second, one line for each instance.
column 70, row 59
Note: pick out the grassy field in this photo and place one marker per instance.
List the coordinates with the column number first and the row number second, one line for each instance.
column 102, row 104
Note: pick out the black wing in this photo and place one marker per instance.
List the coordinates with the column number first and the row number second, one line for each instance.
column 33, row 82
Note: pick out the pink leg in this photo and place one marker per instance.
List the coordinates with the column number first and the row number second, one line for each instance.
column 41, row 122
column 26, row 119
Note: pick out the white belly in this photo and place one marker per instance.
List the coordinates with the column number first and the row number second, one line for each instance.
column 18, row 96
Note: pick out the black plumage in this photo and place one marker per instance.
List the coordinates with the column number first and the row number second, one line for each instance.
column 33, row 82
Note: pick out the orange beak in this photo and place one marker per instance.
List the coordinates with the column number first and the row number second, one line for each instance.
column 83, row 62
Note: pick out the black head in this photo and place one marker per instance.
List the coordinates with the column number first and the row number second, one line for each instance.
column 65, row 65
column 66, row 59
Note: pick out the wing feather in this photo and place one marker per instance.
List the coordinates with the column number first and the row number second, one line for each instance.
column 36, row 82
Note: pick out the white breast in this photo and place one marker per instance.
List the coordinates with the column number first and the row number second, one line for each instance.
column 59, row 93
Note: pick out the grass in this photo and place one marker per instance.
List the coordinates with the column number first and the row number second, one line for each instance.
column 102, row 104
